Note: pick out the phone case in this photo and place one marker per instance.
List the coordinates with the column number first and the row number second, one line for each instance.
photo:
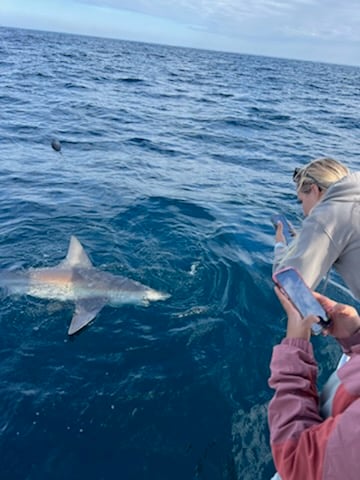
column 291, row 283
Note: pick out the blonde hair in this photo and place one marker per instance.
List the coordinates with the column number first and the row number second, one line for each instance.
column 322, row 172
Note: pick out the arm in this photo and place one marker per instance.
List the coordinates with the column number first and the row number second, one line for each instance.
column 281, row 246
column 297, row 433
column 293, row 412
column 280, row 250
column 313, row 252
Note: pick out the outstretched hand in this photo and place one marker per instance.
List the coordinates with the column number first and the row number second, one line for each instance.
column 279, row 232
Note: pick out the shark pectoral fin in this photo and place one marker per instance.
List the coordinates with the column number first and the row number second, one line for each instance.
column 85, row 311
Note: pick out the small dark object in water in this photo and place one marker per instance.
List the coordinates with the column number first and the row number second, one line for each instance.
column 56, row 145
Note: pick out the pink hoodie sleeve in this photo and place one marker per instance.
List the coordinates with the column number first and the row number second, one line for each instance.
column 298, row 434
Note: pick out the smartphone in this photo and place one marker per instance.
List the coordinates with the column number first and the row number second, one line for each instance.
column 293, row 286
column 288, row 229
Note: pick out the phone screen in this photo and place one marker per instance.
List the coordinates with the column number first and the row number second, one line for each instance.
column 291, row 283
column 287, row 229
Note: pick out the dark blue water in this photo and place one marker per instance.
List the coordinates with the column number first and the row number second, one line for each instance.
column 172, row 162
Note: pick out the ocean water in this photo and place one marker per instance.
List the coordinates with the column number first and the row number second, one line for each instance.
column 172, row 162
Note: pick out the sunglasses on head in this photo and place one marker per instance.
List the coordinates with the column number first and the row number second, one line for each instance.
column 301, row 173
column 296, row 173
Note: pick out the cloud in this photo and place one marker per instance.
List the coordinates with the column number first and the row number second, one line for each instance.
column 308, row 19
column 185, row 10
column 325, row 30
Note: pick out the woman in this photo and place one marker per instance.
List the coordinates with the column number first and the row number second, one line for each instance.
column 304, row 445
column 330, row 233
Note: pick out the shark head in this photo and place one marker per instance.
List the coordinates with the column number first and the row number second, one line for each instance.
column 152, row 295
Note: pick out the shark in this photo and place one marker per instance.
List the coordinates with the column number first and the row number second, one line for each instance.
column 75, row 279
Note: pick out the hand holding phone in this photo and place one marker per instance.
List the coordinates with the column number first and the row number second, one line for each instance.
column 288, row 229
column 293, row 286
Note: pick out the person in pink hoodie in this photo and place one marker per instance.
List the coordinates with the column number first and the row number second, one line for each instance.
column 304, row 444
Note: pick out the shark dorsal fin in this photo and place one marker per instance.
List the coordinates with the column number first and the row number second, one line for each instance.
column 76, row 255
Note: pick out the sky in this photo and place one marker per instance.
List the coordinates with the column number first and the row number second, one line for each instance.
column 318, row 30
